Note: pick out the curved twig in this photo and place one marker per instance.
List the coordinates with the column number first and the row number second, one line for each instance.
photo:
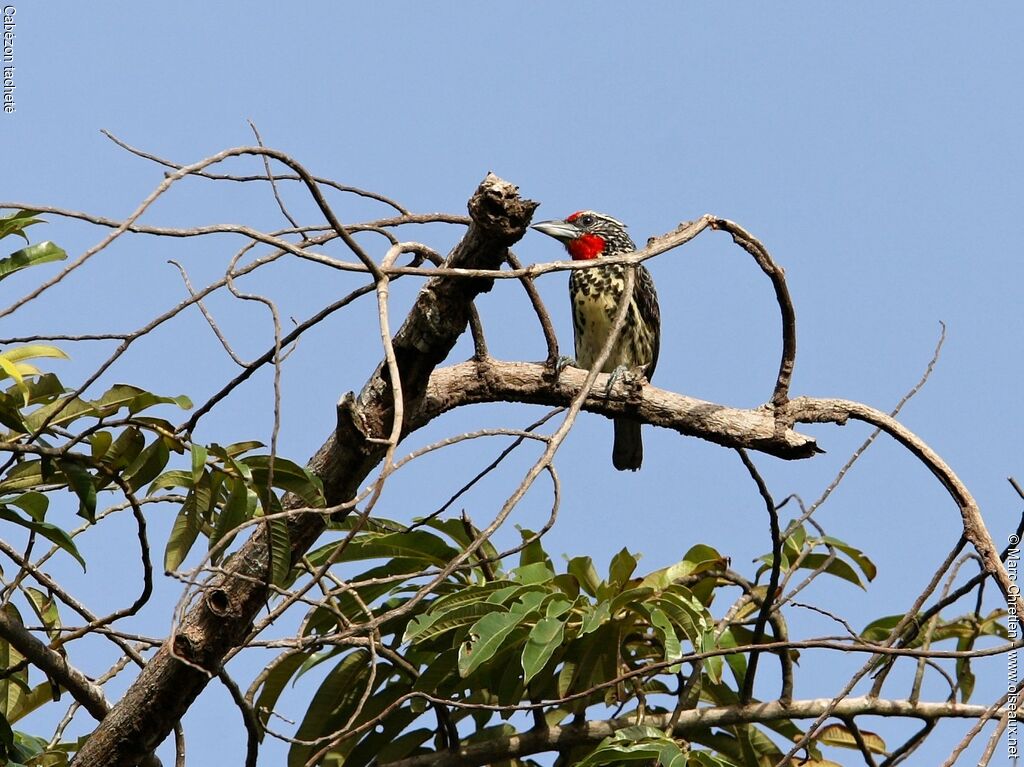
column 753, row 246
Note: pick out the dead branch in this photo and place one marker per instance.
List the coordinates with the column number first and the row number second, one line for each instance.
column 539, row 740
column 493, row 381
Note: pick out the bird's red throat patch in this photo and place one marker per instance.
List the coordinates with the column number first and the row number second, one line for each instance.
column 585, row 247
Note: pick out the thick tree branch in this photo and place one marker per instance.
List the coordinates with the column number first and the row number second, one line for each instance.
column 55, row 666
column 502, row 748
column 223, row 614
column 496, row 381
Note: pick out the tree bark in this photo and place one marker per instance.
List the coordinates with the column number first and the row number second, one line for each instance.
column 493, row 380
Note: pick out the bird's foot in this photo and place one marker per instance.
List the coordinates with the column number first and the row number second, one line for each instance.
column 620, row 373
column 562, row 363
column 631, row 377
column 553, row 367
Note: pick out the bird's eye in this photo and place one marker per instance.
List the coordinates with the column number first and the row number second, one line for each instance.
column 586, row 220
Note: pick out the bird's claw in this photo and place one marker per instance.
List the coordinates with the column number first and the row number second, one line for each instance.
column 630, row 377
column 561, row 364
column 620, row 372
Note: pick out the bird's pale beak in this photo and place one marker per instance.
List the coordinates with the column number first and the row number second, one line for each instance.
column 560, row 230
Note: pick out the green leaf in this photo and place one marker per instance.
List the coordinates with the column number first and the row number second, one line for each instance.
column 405, row 744
column 40, row 253
column 10, row 414
column 149, row 463
column 81, row 482
column 622, row 567
column 414, row 544
column 283, row 669
column 135, row 399
column 442, row 668
column 545, row 637
column 145, row 400
column 442, row 606
column 841, row 736
column 636, row 744
column 699, row 558
column 18, row 222
column 43, row 389
column 377, row 742
column 486, row 637
column 595, row 617
column 33, row 504
column 125, row 449
column 704, row 557
column 667, row 634
column 45, row 607
column 794, row 542
column 199, row 454
column 183, row 534
column 11, row 370
column 239, row 507
column 99, row 444
column 52, row 533
column 528, row 601
column 712, row 666
column 28, row 702
column 23, row 476
column 429, row 626
column 684, row 610
column 533, row 552
column 879, row 630
column 334, row 700
column 34, row 351
column 633, row 599
column 588, row 662
column 280, row 551
column 837, row 567
column 59, row 413
column 583, row 569
column 538, row 572
column 557, row 605
column 171, row 479
column 235, row 449
column 15, row 685
column 730, row 638
column 287, row 476
column 858, row 556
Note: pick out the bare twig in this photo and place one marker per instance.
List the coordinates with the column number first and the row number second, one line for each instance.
column 773, row 580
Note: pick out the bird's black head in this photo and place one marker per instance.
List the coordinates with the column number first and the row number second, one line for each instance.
column 587, row 234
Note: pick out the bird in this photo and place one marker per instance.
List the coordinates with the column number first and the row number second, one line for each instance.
column 595, row 295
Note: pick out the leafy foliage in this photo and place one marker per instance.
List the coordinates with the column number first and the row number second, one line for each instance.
column 495, row 640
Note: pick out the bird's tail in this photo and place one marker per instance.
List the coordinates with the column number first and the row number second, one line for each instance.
column 628, row 451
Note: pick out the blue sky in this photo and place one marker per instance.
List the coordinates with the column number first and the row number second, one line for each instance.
column 873, row 147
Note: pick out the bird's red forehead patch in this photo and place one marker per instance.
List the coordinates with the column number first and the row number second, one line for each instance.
column 585, row 247
column 574, row 216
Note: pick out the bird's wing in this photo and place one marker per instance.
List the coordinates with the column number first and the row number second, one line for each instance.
column 647, row 303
